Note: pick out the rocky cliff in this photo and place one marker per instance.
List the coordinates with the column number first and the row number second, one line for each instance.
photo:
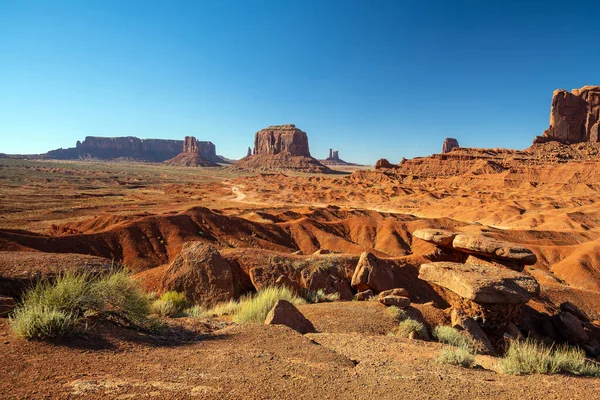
column 130, row 147
column 282, row 147
column 281, row 139
column 574, row 116
column 194, row 154
column 449, row 144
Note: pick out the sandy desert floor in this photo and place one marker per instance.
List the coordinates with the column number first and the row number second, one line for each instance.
column 141, row 214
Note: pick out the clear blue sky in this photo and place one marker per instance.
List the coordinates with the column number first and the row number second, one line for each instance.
column 370, row 78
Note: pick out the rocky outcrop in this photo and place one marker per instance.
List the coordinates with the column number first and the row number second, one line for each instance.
column 449, row 145
column 282, row 147
column 373, row 273
column 201, row 273
column 574, row 116
column 383, row 163
column 285, row 313
column 130, row 147
column 334, row 159
column 481, row 284
column 281, row 139
column 194, row 154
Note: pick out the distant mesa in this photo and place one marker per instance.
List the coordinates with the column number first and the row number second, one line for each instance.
column 383, row 163
column 282, row 147
column 574, row 116
column 449, row 145
column 131, row 148
column 193, row 154
column 334, row 159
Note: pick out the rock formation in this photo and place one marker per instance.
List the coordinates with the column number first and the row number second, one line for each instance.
column 130, row 147
column 249, row 153
column 285, row 313
column 334, row 159
column 193, row 154
column 449, row 145
column 574, row 116
column 384, row 163
column 282, row 147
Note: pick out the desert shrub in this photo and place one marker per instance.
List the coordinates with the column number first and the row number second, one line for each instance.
column 170, row 304
column 119, row 296
column 449, row 335
column 227, row 308
column 408, row 326
column 397, row 313
column 529, row 356
column 52, row 309
column 320, row 297
column 39, row 321
column 461, row 355
column 195, row 312
column 255, row 308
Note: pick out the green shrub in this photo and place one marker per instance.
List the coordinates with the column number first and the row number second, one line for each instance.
column 58, row 308
column 529, row 356
column 408, row 326
column 397, row 313
column 170, row 304
column 38, row 322
column 255, row 308
column 320, row 297
column 195, row 312
column 462, row 356
column 228, row 308
column 449, row 335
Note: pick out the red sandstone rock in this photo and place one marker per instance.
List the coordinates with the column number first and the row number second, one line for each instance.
column 574, row 116
column 373, row 273
column 201, row 273
column 449, row 145
column 284, row 313
column 281, row 139
column 383, row 163
column 396, row 301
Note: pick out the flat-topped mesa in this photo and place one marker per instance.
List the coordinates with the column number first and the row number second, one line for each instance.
column 278, row 139
column 449, row 145
column 574, row 116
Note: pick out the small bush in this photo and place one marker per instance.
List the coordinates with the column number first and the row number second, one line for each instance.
column 195, row 312
column 58, row 308
column 462, row 356
column 255, row 308
column 397, row 313
column 228, row 308
column 449, row 335
column 170, row 304
column 408, row 326
column 529, row 356
column 320, row 297
column 38, row 322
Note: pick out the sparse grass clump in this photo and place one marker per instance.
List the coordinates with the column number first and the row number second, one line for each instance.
column 170, row 304
column 397, row 313
column 195, row 312
column 320, row 297
column 52, row 309
column 255, row 308
column 529, row 357
column 449, row 335
column 408, row 326
column 229, row 308
column 461, row 355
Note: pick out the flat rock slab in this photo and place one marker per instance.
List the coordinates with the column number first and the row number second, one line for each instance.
column 481, row 284
column 479, row 244
column 440, row 237
column 397, row 301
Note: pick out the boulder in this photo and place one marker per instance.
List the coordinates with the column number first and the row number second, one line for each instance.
column 482, row 342
column 481, row 284
column 201, row 273
column 449, row 145
column 572, row 327
column 439, row 237
column 482, row 245
column 373, row 273
column 7, row 304
column 397, row 301
column 496, row 263
column 364, row 296
column 330, row 281
column 573, row 309
column 285, row 281
column 284, row 313
column 394, row 292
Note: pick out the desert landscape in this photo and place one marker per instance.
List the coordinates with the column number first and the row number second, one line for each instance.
column 158, row 268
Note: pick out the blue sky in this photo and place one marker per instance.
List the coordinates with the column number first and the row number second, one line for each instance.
column 370, row 78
